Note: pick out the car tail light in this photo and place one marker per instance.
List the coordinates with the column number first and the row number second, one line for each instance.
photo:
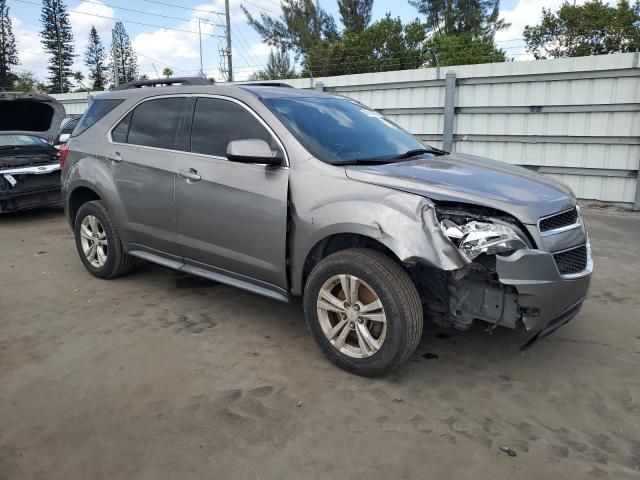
column 64, row 151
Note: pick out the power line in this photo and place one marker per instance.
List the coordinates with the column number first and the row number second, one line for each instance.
column 261, row 8
column 153, row 59
column 183, row 7
column 129, row 21
column 148, row 13
column 246, row 50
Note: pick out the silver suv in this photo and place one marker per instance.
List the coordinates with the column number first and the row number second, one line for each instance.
column 287, row 193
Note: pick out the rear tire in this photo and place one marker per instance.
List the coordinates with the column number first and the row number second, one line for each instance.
column 98, row 242
column 382, row 312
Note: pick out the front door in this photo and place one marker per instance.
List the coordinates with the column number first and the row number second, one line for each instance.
column 232, row 217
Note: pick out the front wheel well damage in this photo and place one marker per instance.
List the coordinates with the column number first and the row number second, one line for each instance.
column 338, row 242
column 79, row 197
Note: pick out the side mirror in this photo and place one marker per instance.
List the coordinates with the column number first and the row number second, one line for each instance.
column 63, row 138
column 252, row 150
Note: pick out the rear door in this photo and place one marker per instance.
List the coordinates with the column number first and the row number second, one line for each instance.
column 233, row 218
column 142, row 154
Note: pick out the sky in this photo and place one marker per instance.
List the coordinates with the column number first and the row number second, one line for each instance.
column 157, row 47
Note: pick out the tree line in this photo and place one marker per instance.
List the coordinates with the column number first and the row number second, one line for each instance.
column 57, row 41
column 444, row 32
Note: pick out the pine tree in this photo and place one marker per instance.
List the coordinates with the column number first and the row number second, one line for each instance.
column 478, row 18
column 355, row 14
column 127, row 62
column 8, row 52
column 278, row 67
column 301, row 26
column 95, row 60
column 57, row 40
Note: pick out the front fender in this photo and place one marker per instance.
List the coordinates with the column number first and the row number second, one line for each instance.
column 403, row 222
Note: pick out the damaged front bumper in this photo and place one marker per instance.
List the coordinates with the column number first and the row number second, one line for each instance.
column 29, row 187
column 546, row 298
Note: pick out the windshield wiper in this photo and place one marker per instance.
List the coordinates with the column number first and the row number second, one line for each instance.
column 418, row 151
column 379, row 160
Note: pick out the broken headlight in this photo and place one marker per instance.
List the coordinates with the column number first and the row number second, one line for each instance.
column 476, row 237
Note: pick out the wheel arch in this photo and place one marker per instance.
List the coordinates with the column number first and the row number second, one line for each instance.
column 336, row 242
column 78, row 197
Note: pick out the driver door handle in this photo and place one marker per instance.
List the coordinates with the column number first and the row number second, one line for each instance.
column 115, row 157
column 190, row 175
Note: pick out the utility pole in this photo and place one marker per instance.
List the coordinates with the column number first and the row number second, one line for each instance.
column 57, row 15
column 229, row 60
column 116, row 76
column 200, row 37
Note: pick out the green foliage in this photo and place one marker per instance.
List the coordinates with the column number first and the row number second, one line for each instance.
column 95, row 59
column 301, row 26
column 278, row 67
column 455, row 32
column 355, row 14
column 479, row 18
column 167, row 72
column 593, row 28
column 385, row 45
column 27, row 82
column 57, row 41
column 463, row 50
column 126, row 59
column 8, row 51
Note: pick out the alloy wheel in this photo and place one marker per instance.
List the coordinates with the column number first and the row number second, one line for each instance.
column 351, row 316
column 93, row 239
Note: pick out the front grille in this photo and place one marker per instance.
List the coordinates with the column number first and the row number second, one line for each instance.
column 571, row 261
column 563, row 219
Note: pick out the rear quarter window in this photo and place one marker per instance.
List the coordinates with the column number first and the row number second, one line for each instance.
column 98, row 109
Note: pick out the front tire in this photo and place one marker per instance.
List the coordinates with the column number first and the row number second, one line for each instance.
column 363, row 311
column 98, row 242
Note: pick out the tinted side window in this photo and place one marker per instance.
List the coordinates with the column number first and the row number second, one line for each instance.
column 155, row 122
column 97, row 110
column 120, row 134
column 69, row 126
column 217, row 122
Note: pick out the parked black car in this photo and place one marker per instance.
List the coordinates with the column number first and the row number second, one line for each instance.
column 65, row 131
column 29, row 164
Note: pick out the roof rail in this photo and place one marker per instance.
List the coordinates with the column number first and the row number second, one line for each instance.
column 265, row 84
column 163, row 82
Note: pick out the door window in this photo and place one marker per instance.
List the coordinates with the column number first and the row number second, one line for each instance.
column 218, row 122
column 153, row 123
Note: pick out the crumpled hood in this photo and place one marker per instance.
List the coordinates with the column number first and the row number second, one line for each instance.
column 470, row 179
column 30, row 113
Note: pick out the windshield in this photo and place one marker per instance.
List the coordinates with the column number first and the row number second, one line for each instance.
column 337, row 130
column 21, row 140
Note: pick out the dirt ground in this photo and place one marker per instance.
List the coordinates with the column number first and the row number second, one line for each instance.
column 163, row 376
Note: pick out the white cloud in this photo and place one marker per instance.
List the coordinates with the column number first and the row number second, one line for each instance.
column 86, row 15
column 260, row 50
column 169, row 48
column 30, row 52
column 82, row 18
column 525, row 12
column 244, row 73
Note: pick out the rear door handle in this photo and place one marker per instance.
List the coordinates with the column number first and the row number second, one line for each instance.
column 190, row 175
column 115, row 157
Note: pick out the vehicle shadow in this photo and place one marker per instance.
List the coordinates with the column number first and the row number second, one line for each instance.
column 51, row 212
